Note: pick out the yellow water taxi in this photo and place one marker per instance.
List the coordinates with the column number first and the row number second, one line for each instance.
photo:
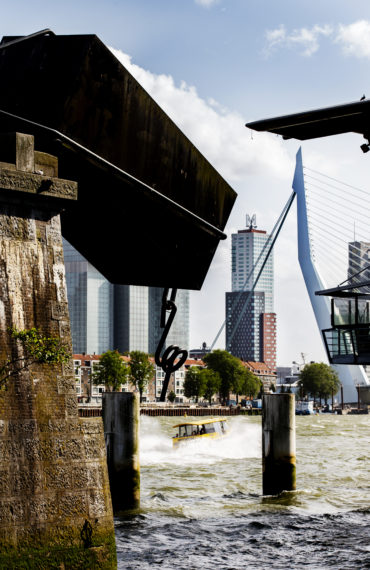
column 199, row 429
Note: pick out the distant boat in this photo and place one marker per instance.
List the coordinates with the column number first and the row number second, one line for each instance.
column 304, row 408
column 200, row 429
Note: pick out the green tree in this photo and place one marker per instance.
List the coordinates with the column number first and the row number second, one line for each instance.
column 211, row 382
column 112, row 371
column 250, row 384
column 229, row 368
column 141, row 370
column 319, row 379
column 194, row 383
column 171, row 397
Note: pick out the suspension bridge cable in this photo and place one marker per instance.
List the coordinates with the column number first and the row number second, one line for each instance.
column 328, row 255
column 325, row 199
column 245, row 306
column 329, row 234
column 249, row 275
column 336, row 180
column 335, row 187
column 331, row 237
column 275, row 232
column 313, row 208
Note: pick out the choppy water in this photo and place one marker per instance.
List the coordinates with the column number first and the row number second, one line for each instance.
column 202, row 507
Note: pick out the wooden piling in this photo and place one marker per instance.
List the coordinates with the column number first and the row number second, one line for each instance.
column 121, row 412
column 278, row 443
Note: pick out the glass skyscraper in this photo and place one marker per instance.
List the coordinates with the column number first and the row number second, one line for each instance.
column 90, row 301
column 250, row 317
column 117, row 317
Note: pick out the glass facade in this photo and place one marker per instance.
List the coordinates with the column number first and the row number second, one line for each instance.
column 243, row 330
column 117, row 317
column 90, row 300
column 179, row 332
column 138, row 318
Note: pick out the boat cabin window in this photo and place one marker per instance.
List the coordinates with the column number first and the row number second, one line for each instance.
column 185, row 431
column 220, row 427
column 209, row 428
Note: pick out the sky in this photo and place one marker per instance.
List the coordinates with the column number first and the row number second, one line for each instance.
column 214, row 65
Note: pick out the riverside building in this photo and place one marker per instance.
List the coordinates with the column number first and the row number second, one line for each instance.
column 250, row 317
column 90, row 394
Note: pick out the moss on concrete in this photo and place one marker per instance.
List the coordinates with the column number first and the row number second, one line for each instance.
column 101, row 554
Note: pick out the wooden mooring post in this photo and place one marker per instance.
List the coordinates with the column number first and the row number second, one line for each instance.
column 121, row 412
column 278, row 443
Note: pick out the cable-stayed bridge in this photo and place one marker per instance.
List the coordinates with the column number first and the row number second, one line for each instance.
column 333, row 247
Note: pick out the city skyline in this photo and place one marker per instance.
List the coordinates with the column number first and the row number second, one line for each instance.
column 242, row 61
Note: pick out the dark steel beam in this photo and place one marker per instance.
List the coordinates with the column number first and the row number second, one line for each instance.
column 350, row 117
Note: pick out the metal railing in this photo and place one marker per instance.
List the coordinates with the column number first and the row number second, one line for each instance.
column 350, row 345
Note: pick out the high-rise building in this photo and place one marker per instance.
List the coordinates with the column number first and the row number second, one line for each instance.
column 90, row 301
column 117, row 317
column 250, row 317
column 359, row 262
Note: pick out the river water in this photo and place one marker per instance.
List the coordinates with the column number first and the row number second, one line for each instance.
column 202, row 505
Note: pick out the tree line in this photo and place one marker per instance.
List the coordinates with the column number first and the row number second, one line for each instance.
column 224, row 374
column 112, row 371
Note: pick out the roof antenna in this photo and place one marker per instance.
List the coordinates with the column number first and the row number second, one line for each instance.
column 251, row 222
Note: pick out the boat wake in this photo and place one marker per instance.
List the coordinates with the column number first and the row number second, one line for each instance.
column 243, row 441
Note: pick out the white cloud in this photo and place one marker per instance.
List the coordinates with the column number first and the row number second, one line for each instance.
column 355, row 38
column 305, row 39
column 217, row 132
column 258, row 166
column 206, row 3
column 275, row 38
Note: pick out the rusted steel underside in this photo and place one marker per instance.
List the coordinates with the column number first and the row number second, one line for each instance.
column 151, row 209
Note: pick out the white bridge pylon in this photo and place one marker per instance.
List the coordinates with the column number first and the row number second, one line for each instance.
column 309, row 253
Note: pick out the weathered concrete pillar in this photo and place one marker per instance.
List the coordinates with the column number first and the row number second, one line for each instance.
column 278, row 443
column 55, row 507
column 121, row 413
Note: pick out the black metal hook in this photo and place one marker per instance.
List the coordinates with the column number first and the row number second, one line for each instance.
column 173, row 352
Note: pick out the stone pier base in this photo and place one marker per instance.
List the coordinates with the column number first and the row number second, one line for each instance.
column 55, row 506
